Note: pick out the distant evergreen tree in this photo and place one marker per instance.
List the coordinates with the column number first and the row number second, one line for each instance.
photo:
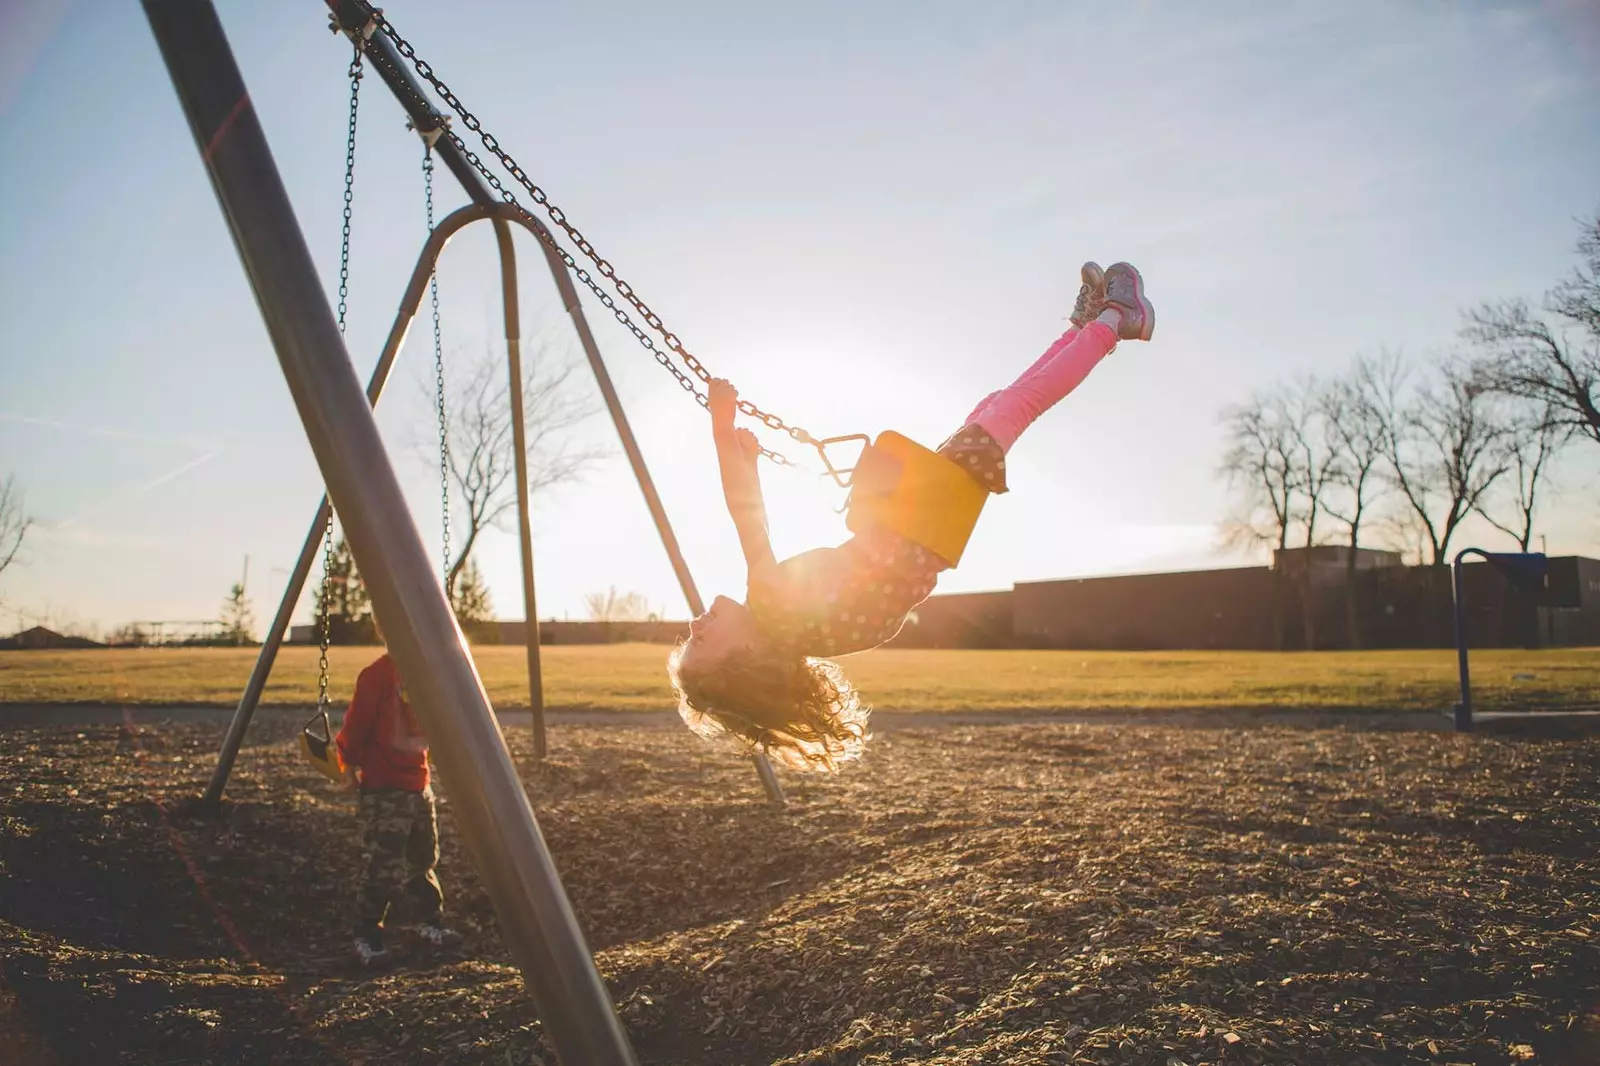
column 238, row 620
column 349, row 606
column 471, row 600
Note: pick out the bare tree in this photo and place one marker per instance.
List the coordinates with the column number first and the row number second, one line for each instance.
column 1262, row 465
column 1531, row 444
column 1523, row 356
column 482, row 459
column 1280, row 459
column 1359, row 443
column 14, row 522
column 132, row 634
column 614, row 606
column 1318, row 462
column 1442, row 444
column 1314, row 452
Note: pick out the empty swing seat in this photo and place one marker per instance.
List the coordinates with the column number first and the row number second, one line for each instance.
column 916, row 492
column 320, row 750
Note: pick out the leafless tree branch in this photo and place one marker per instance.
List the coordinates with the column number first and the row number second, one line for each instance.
column 1521, row 355
column 15, row 522
column 1313, row 450
column 1261, row 465
column 1443, row 444
column 1530, row 447
column 482, row 460
column 614, row 606
column 1358, row 439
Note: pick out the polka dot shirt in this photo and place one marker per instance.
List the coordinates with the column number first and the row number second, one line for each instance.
column 834, row 601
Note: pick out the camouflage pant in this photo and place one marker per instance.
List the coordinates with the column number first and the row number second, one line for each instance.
column 400, row 847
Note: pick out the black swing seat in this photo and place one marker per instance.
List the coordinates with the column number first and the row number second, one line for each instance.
column 318, row 747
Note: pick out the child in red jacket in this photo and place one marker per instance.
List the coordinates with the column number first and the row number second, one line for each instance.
column 386, row 757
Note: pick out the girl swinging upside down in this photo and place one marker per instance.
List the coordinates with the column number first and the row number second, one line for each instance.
column 761, row 670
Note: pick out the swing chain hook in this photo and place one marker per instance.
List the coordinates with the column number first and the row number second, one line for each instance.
column 359, row 36
column 697, row 374
column 843, row 476
column 430, row 131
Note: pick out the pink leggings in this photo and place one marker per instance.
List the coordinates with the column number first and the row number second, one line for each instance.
column 1062, row 368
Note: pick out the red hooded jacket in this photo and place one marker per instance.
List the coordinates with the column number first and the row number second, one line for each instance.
column 380, row 736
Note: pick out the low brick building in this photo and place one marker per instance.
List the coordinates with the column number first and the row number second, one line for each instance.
column 40, row 637
column 1320, row 598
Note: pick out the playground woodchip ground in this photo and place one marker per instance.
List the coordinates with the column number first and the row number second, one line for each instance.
column 1272, row 878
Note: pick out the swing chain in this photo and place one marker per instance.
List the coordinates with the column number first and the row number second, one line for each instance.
column 327, row 615
column 326, row 605
column 602, row 266
column 349, row 183
column 438, row 369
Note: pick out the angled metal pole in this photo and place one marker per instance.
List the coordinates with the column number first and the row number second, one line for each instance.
column 353, row 16
column 641, row 472
column 519, row 443
column 486, row 795
column 257, row 684
column 1463, row 710
column 501, row 213
column 240, row 724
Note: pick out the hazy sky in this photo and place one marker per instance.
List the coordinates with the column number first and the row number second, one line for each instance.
column 867, row 215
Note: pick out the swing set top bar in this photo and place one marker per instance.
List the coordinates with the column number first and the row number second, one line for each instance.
column 363, row 22
column 355, row 18
column 495, row 817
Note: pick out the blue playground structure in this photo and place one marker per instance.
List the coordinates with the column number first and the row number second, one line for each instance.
column 1526, row 571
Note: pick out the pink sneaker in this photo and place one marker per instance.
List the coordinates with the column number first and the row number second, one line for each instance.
column 1125, row 292
column 1091, row 296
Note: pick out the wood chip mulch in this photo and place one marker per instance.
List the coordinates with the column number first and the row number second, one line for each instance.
column 1013, row 894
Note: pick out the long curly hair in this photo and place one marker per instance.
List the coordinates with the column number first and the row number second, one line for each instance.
column 799, row 711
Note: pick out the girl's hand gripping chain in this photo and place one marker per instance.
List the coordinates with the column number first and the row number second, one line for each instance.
column 723, row 400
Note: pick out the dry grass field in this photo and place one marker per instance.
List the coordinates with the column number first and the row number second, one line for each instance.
column 632, row 677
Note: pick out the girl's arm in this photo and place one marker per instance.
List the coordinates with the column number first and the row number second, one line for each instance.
column 737, row 450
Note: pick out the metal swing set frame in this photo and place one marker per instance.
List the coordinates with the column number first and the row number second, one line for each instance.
column 487, row 796
column 894, row 482
column 356, row 20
